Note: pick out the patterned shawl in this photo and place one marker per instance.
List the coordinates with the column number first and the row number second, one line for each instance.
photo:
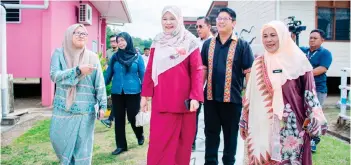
column 172, row 49
column 264, row 92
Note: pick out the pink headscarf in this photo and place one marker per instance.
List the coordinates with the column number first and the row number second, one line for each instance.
column 289, row 58
column 265, row 132
column 172, row 49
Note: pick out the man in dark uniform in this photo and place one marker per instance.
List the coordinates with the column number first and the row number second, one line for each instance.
column 227, row 60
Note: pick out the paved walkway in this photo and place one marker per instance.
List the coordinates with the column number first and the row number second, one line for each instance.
column 198, row 156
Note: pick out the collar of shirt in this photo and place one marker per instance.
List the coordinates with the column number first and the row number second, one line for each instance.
column 113, row 50
column 203, row 40
column 232, row 37
column 320, row 48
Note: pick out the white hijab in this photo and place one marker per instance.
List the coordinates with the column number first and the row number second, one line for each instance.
column 289, row 58
column 266, row 113
column 172, row 49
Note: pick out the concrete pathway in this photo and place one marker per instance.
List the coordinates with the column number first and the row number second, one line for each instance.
column 198, row 156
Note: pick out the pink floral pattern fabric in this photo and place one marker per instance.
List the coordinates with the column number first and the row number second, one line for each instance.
column 291, row 137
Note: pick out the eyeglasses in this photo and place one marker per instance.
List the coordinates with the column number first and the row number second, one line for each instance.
column 198, row 26
column 80, row 34
column 223, row 19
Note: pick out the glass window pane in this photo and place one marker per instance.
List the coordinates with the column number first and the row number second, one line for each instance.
column 342, row 25
column 325, row 21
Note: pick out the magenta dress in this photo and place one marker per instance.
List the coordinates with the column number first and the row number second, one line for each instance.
column 172, row 126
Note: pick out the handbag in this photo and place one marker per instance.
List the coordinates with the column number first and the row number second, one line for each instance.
column 143, row 118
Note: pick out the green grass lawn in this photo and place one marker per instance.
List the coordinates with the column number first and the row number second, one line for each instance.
column 34, row 147
column 332, row 151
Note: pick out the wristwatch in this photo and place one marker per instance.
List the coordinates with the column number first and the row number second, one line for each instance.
column 78, row 71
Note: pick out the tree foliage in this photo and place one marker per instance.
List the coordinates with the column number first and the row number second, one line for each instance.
column 109, row 32
column 141, row 44
column 138, row 42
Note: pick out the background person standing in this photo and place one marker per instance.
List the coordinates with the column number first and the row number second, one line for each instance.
column 320, row 59
column 203, row 28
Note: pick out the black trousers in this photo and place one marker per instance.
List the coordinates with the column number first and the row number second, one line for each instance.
column 226, row 116
column 197, row 121
column 123, row 103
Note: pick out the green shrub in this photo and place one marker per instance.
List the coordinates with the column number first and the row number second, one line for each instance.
column 103, row 63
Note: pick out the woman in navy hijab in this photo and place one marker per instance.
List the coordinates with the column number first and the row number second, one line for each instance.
column 126, row 72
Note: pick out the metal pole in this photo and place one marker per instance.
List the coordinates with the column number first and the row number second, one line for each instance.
column 297, row 39
column 4, row 77
column 277, row 10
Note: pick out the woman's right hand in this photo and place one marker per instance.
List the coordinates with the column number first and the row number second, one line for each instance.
column 86, row 69
column 143, row 104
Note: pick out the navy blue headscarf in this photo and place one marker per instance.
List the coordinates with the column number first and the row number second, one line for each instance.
column 126, row 56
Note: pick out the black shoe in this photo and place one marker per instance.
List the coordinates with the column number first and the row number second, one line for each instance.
column 107, row 123
column 141, row 141
column 118, row 151
column 193, row 147
column 313, row 146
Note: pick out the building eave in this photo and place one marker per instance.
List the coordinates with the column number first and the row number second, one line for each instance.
column 113, row 11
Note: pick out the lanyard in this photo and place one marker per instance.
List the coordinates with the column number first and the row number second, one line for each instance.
column 308, row 54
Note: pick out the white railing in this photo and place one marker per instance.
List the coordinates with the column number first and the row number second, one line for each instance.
column 344, row 88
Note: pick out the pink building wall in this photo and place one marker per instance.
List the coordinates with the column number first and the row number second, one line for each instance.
column 31, row 42
column 24, row 44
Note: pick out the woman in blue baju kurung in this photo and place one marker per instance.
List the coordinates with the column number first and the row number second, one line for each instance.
column 80, row 98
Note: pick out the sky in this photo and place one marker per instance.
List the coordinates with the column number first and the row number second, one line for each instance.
column 146, row 15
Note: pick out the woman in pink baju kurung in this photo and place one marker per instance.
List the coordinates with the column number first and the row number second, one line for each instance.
column 173, row 75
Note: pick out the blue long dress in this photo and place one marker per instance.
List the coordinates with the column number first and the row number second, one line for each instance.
column 72, row 129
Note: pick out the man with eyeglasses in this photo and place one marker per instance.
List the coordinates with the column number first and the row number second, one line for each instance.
column 203, row 28
column 227, row 60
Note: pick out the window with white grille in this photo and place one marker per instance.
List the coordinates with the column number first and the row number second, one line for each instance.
column 333, row 17
column 12, row 15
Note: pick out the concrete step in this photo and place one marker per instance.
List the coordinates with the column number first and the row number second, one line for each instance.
column 10, row 120
column 18, row 113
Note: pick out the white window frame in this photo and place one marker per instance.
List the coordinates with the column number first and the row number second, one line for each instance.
column 20, row 16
